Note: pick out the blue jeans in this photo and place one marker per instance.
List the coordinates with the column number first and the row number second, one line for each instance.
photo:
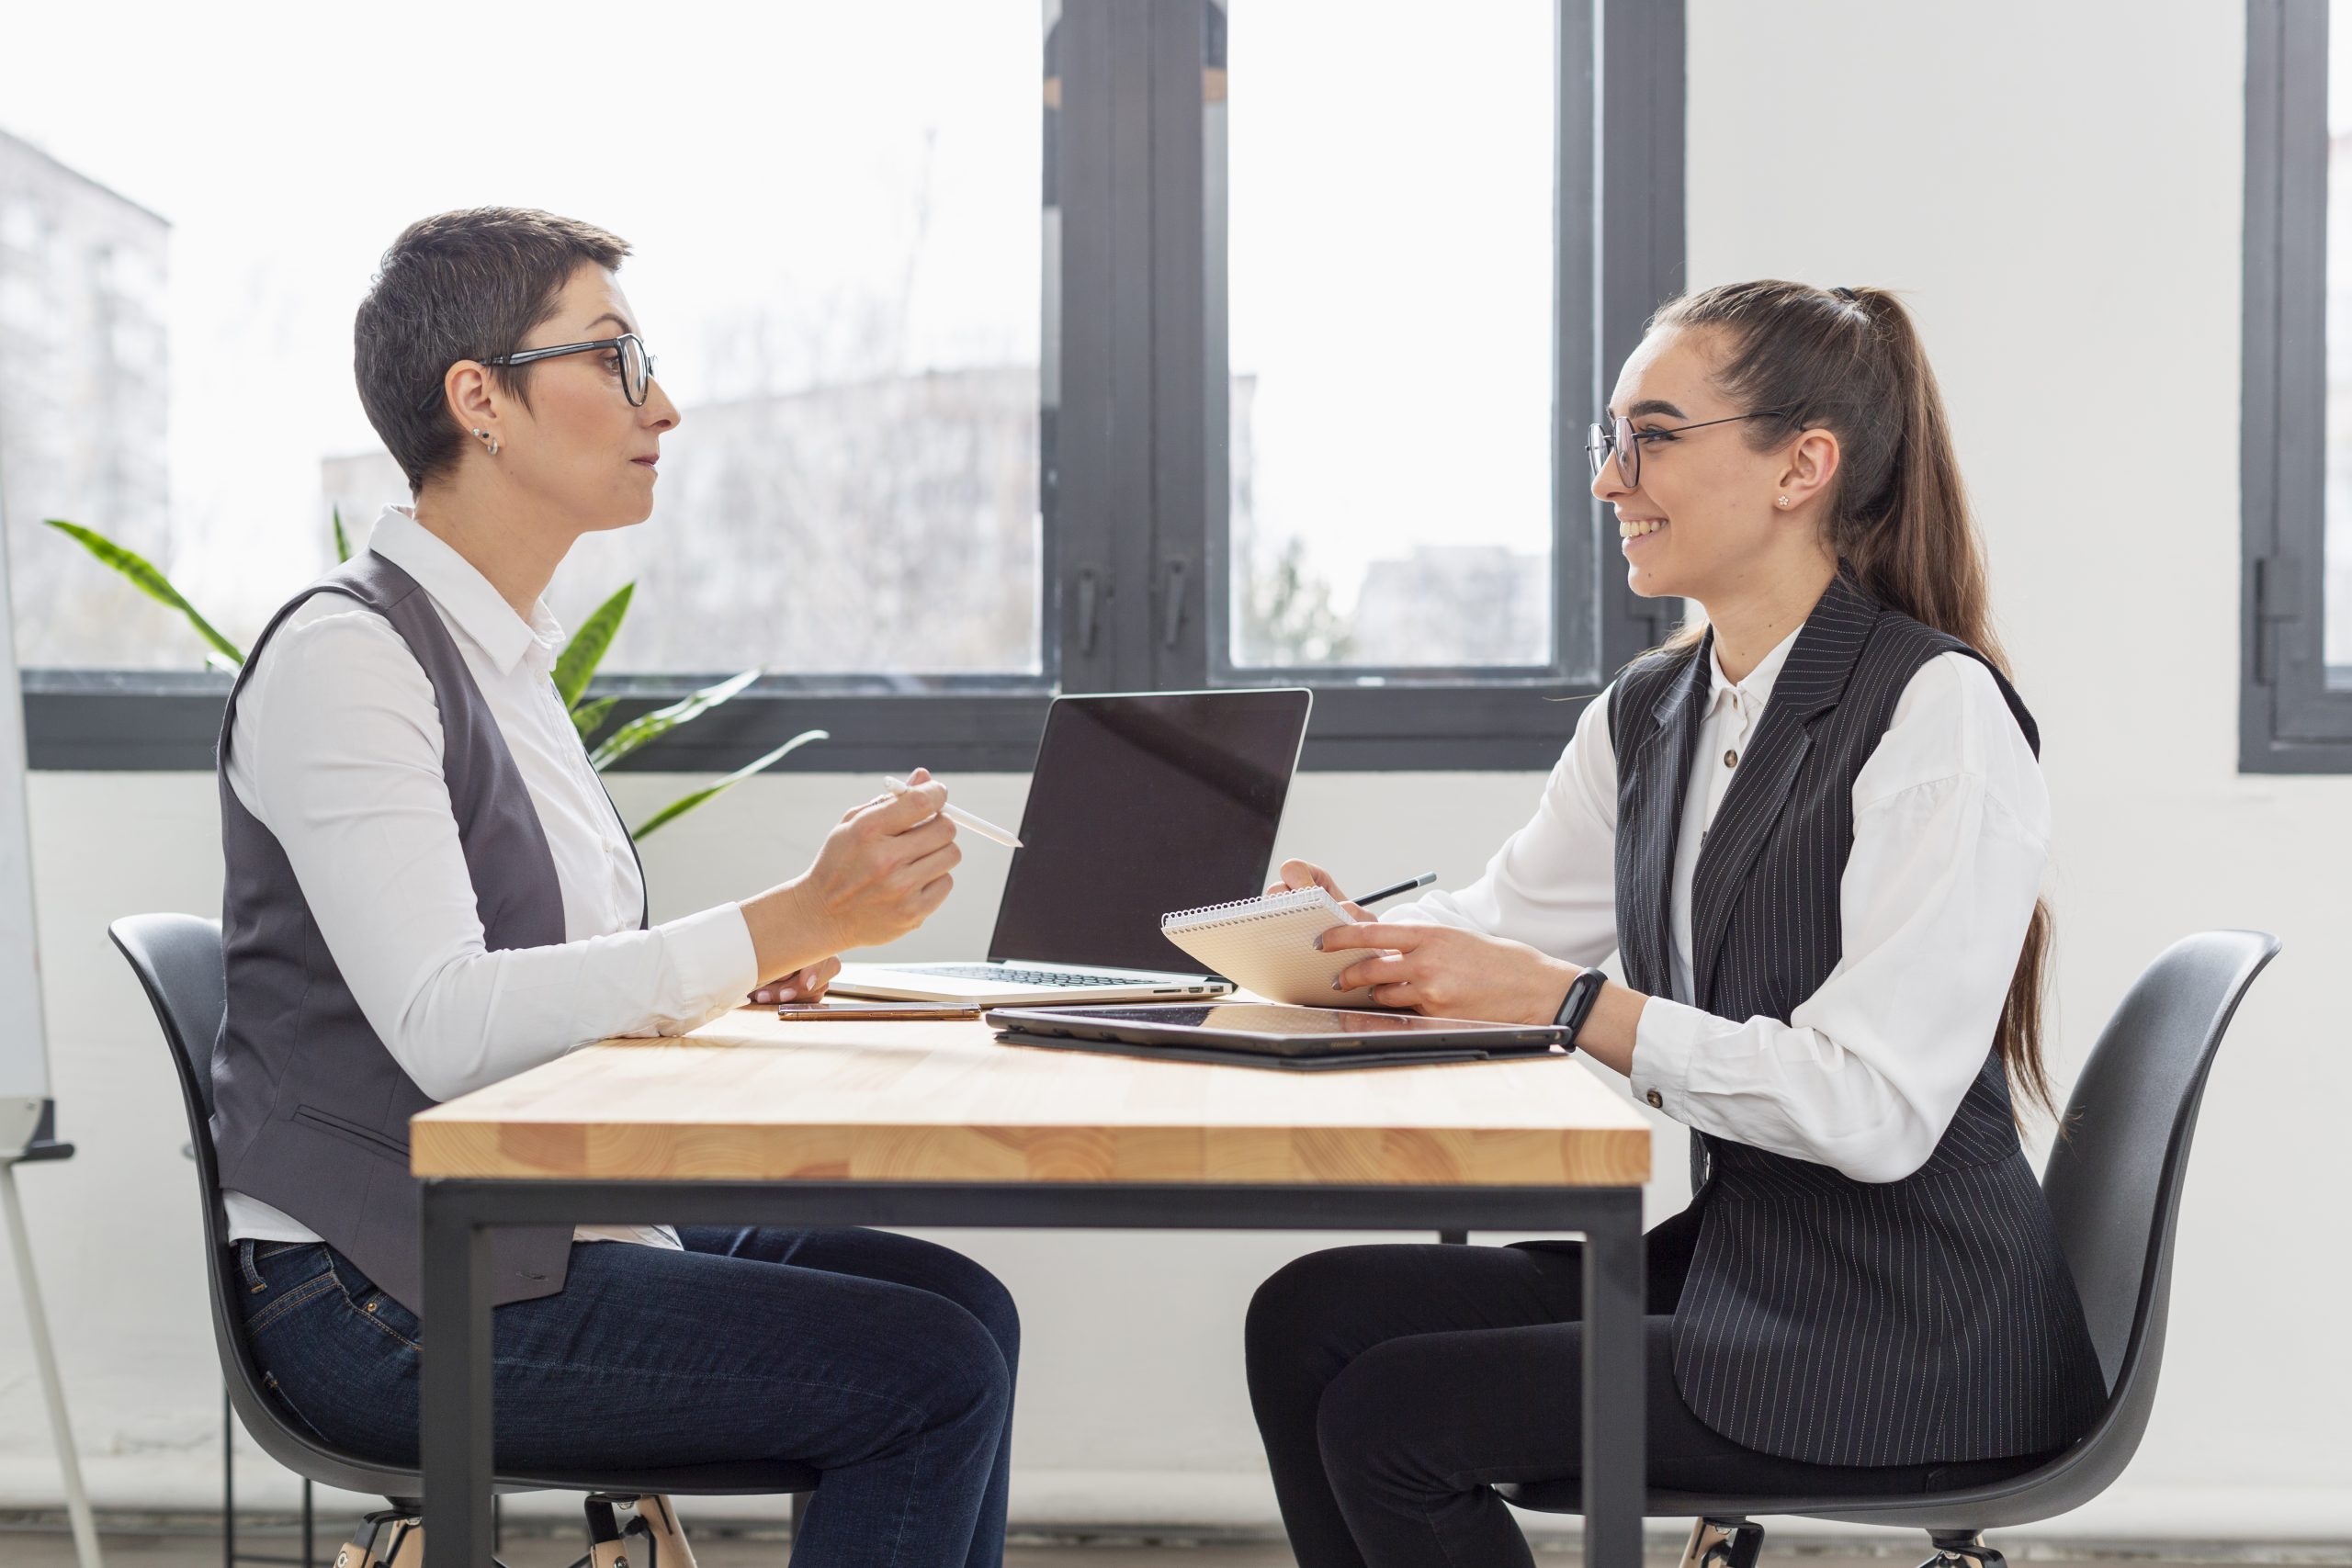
column 884, row 1362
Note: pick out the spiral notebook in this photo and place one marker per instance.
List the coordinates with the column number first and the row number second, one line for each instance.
column 1267, row 945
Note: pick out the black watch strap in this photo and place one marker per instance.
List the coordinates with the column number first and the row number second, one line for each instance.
column 1577, row 1004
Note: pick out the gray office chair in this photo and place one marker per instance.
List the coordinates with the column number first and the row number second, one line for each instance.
column 177, row 960
column 2114, row 1184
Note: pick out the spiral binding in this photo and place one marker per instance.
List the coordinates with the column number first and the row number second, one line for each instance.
column 1265, row 906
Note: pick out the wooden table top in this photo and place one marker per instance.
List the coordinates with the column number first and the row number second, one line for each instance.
column 749, row 1097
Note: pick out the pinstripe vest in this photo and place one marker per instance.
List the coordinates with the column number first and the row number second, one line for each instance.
column 1930, row 1320
column 311, row 1113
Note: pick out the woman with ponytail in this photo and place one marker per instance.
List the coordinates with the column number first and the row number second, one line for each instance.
column 1813, row 827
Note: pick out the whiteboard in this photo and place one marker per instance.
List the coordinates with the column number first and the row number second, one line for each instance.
column 24, row 1053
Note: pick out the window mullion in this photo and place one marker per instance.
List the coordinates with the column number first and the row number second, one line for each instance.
column 1637, row 59
column 2306, row 709
column 1081, row 461
column 1180, row 291
column 2290, row 721
column 1126, row 416
column 1581, row 625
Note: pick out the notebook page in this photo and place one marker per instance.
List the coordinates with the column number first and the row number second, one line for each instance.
column 1267, row 945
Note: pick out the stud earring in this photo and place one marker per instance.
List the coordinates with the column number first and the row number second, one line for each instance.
column 1784, row 499
column 492, row 441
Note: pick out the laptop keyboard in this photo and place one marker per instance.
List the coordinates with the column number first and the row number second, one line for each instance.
column 1020, row 976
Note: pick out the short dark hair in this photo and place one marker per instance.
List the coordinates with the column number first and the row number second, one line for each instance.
column 460, row 286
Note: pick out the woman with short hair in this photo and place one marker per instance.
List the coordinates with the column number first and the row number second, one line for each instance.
column 428, row 891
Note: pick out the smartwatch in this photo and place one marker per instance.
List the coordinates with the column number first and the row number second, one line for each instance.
column 1577, row 1003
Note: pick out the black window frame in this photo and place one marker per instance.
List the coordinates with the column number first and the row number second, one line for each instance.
column 1127, row 337
column 2290, row 719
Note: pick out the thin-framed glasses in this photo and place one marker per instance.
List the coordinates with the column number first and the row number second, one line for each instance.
column 636, row 365
column 1625, row 443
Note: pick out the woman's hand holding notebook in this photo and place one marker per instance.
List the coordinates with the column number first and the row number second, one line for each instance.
column 1267, row 945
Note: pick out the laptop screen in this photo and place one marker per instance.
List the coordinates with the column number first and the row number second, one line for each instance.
column 1140, row 805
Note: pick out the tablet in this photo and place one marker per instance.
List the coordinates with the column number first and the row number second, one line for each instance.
column 1267, row 1029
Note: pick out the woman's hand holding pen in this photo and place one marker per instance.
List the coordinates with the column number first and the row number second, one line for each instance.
column 1446, row 972
column 1296, row 873
column 1441, row 971
column 880, row 874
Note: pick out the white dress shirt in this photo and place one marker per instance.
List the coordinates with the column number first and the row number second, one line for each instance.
column 1951, row 827
column 337, row 750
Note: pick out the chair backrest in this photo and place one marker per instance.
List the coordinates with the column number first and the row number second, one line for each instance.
column 2114, row 1179
column 178, row 962
column 2114, row 1184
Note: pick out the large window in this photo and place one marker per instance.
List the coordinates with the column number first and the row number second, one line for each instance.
column 2296, row 710
column 836, row 258
column 1390, row 263
column 1024, row 346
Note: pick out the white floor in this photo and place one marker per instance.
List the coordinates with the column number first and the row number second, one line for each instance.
column 197, row 1545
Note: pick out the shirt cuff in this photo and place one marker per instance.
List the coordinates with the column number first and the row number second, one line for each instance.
column 711, row 957
column 1666, row 1043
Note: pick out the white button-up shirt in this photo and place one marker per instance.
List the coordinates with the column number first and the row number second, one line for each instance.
column 1951, row 827
column 337, row 750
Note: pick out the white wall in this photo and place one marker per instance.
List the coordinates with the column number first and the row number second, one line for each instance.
column 2057, row 187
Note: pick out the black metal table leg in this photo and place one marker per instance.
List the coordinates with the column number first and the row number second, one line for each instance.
column 456, row 1412
column 228, row 1483
column 1616, row 1483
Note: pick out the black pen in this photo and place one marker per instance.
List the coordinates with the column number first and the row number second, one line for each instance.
column 1369, row 899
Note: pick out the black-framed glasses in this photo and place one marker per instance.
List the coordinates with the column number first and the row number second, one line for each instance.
column 635, row 366
column 1624, row 441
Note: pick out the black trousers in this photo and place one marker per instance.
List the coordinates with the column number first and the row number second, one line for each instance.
column 1396, row 1386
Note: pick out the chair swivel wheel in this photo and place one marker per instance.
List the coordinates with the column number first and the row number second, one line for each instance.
column 1724, row 1543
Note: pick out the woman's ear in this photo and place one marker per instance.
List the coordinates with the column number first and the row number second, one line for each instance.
column 471, row 395
column 1811, row 466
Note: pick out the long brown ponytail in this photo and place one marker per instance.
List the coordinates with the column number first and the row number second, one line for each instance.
column 1851, row 362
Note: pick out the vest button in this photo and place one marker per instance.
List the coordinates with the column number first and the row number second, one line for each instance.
column 1657, row 1101
column 1731, row 758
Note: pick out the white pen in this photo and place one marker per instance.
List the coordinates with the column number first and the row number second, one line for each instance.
column 961, row 817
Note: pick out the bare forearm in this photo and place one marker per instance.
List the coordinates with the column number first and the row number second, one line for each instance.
column 1609, row 1030
column 787, row 933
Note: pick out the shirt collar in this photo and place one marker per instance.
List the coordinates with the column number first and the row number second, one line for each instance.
column 1756, row 691
column 465, row 596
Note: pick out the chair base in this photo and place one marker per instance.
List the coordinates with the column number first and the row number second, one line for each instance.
column 1962, row 1549
column 1724, row 1543
column 651, row 1538
column 394, row 1538
column 1720, row 1542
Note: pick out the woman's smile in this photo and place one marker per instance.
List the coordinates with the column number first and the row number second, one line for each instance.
column 1632, row 532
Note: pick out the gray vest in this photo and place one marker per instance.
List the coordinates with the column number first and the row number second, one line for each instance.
column 311, row 1113
column 1930, row 1320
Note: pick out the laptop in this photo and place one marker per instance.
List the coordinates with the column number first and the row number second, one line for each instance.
column 1138, row 803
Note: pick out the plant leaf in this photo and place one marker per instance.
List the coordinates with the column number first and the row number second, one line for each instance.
column 687, row 802
column 342, row 539
column 143, row 576
column 652, row 725
column 586, row 649
column 588, row 717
